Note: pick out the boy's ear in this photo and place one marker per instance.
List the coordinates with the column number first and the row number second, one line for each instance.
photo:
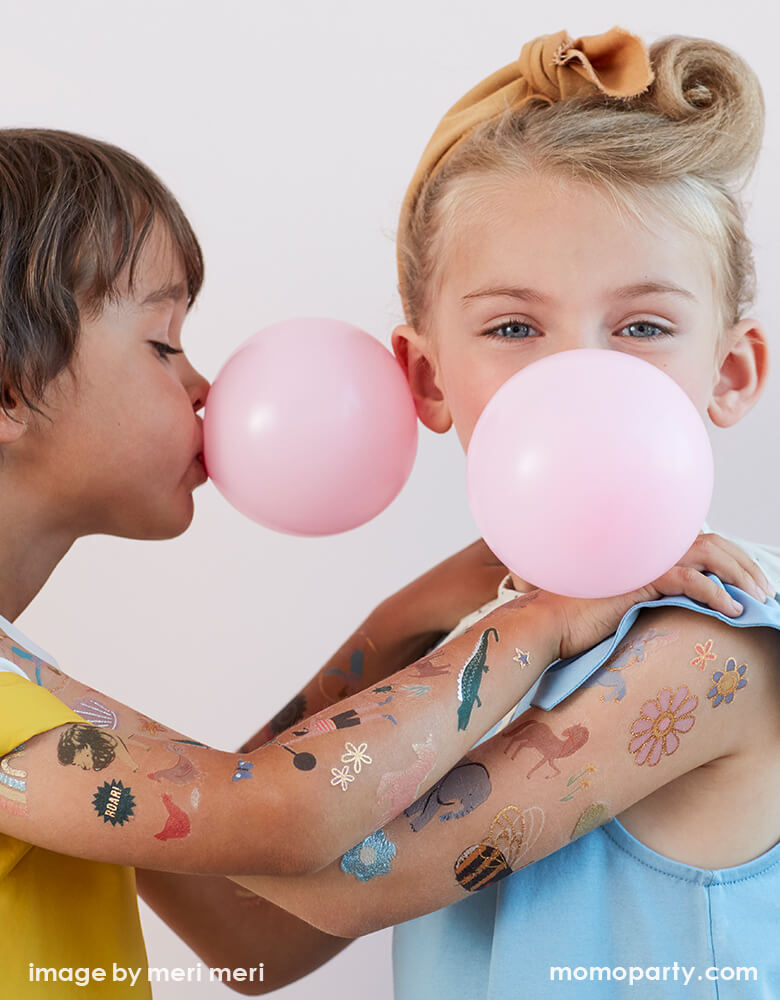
column 743, row 372
column 417, row 358
column 12, row 429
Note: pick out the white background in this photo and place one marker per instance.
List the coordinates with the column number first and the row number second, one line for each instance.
column 289, row 132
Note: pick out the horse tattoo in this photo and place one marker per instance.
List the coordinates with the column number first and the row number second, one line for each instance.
column 537, row 735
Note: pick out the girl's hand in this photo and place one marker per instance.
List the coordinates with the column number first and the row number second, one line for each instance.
column 584, row 622
column 435, row 602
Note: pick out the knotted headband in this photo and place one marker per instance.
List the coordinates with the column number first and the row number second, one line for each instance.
column 551, row 67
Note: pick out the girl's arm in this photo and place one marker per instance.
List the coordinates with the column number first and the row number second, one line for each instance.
column 550, row 777
column 298, row 803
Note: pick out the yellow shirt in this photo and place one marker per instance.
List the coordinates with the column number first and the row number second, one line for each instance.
column 61, row 918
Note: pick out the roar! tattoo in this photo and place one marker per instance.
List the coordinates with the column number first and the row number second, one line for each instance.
column 662, row 718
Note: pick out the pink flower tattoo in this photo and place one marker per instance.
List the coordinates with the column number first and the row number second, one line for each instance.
column 662, row 718
column 703, row 653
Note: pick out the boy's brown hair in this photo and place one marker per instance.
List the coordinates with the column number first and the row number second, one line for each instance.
column 74, row 212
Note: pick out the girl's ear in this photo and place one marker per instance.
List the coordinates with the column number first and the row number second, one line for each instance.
column 742, row 374
column 417, row 358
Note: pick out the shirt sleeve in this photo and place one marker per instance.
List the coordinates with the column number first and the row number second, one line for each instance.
column 562, row 677
column 27, row 709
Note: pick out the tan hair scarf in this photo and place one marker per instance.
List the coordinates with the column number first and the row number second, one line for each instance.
column 551, row 67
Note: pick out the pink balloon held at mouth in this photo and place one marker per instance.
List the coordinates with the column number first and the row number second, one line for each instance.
column 590, row 473
column 310, row 427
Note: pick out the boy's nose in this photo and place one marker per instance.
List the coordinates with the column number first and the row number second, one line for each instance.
column 199, row 391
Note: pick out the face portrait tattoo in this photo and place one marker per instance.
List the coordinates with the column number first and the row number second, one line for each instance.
column 92, row 749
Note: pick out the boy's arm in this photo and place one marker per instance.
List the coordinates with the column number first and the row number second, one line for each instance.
column 132, row 792
column 695, row 687
column 227, row 925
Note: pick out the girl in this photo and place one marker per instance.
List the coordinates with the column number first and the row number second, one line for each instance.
column 585, row 196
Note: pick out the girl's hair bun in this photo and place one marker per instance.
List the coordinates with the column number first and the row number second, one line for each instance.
column 715, row 105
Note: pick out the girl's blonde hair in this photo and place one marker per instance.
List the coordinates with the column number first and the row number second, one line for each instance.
column 684, row 148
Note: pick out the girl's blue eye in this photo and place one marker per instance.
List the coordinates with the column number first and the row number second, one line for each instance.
column 515, row 329
column 644, row 324
column 164, row 350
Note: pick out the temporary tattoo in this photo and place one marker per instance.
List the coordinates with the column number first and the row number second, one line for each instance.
column 356, row 756
column 244, row 769
column 512, row 834
column 524, row 659
column 470, row 678
column 460, row 791
column 92, row 749
column 537, row 735
column 416, row 690
column 13, row 783
column 595, row 814
column 94, row 711
column 336, row 684
column 344, row 720
column 370, row 858
column 727, row 682
column 293, row 712
column 180, row 773
column 303, row 761
column 149, row 725
column 522, row 600
column 191, row 743
column 663, row 717
column 41, row 665
column 582, row 782
column 114, row 802
column 195, row 798
column 703, row 653
column 398, row 788
column 341, row 777
column 427, row 668
column 178, row 823
column 383, row 688
column 629, row 653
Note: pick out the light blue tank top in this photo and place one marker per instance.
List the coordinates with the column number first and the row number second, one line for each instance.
column 606, row 901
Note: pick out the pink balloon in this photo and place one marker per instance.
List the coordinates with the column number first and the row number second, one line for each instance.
column 590, row 473
column 310, row 427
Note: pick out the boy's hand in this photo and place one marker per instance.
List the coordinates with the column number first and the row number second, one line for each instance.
column 584, row 622
column 435, row 602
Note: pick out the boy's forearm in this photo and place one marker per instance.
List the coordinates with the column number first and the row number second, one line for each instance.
column 386, row 642
column 360, row 763
column 230, row 927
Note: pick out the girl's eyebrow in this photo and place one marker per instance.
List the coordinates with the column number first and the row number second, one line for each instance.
column 625, row 292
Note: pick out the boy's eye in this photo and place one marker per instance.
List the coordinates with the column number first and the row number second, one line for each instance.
column 164, row 350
